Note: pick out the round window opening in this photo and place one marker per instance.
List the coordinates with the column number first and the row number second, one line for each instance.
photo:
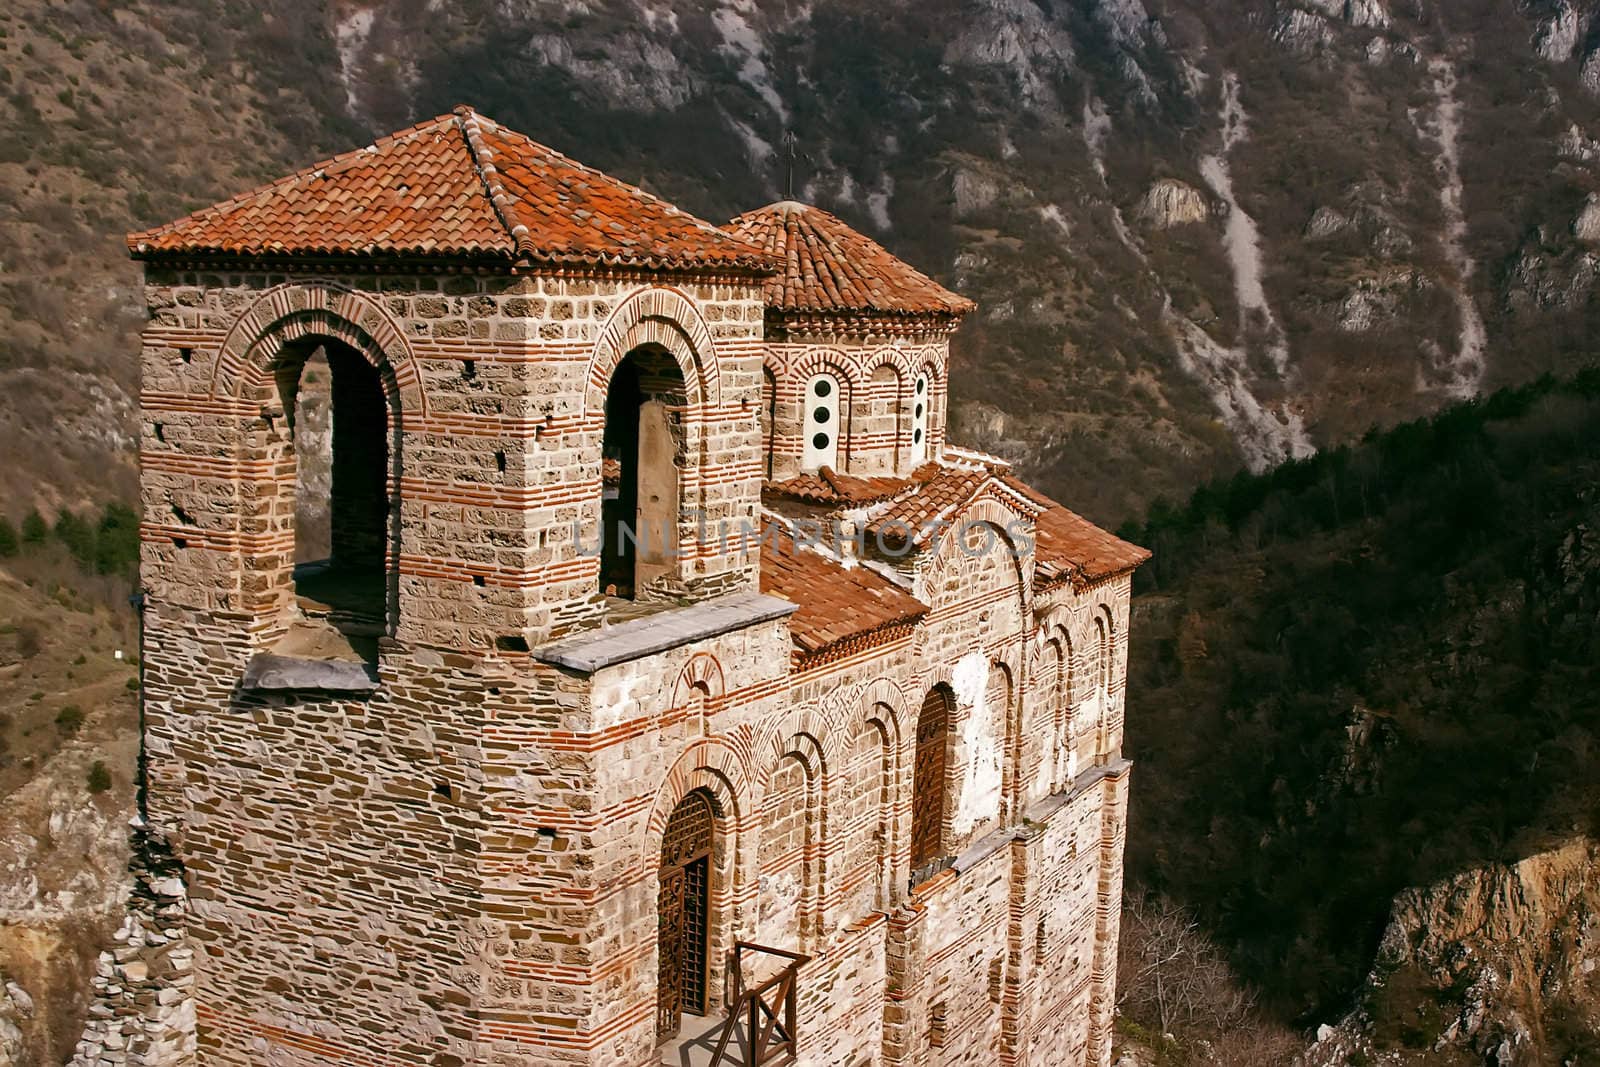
column 823, row 387
column 919, row 411
column 916, row 438
column 822, row 415
column 922, row 385
column 820, row 441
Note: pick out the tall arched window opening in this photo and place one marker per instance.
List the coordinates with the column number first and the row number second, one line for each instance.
column 929, row 778
column 344, row 520
column 639, row 463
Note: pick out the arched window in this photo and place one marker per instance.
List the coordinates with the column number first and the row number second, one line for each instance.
column 1102, row 641
column 921, row 399
column 929, row 775
column 822, row 421
column 639, row 459
column 338, row 451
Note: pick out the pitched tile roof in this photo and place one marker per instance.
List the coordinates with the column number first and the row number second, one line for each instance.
column 837, row 603
column 1068, row 546
column 828, row 267
column 459, row 185
column 938, row 492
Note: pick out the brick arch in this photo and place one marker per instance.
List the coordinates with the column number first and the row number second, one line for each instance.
column 885, row 693
column 659, row 316
column 709, row 764
column 821, row 359
column 295, row 311
column 808, row 732
column 895, row 356
column 945, row 553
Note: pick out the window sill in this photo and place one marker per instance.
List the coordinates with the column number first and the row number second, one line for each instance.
column 272, row 673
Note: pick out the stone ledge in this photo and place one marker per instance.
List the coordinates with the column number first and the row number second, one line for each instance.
column 266, row 671
column 638, row 638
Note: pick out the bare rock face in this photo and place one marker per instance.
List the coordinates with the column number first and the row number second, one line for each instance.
column 1485, row 961
column 1586, row 227
column 1170, row 202
column 1558, row 37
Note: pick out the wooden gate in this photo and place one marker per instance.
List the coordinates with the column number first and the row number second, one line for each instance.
column 682, row 907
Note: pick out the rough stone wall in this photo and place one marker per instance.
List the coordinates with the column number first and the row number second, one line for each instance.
column 876, row 375
column 143, row 1010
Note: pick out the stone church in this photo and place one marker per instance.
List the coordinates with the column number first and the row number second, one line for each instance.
column 657, row 685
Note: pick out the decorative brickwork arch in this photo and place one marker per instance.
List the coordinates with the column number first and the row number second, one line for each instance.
column 794, row 843
column 655, row 316
column 297, row 311
column 946, row 553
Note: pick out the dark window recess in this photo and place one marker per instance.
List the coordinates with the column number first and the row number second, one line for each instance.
column 478, row 580
column 511, row 643
column 500, row 461
column 186, row 354
column 469, row 369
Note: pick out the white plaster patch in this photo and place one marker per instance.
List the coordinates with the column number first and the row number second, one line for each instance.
column 980, row 788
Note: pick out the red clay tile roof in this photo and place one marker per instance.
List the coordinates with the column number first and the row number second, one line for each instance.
column 836, row 603
column 1069, row 546
column 940, row 491
column 828, row 267
column 827, row 486
column 458, row 185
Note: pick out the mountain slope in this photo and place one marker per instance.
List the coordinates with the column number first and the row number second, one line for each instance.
column 1371, row 671
column 1201, row 234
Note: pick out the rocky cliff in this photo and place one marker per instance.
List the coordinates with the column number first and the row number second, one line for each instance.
column 1497, row 965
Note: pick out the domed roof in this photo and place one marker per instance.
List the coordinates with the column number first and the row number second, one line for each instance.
column 827, row 267
column 458, row 186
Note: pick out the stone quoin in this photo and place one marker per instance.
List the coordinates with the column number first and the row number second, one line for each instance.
column 834, row 727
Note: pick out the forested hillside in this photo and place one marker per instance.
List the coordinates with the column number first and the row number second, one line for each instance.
column 1372, row 670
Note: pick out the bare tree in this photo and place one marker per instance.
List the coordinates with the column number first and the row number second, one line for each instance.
column 1172, row 978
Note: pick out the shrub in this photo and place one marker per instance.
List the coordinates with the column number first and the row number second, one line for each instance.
column 69, row 720
column 9, row 541
column 34, row 530
column 99, row 777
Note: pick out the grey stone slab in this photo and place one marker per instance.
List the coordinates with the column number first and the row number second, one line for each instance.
column 266, row 671
column 638, row 638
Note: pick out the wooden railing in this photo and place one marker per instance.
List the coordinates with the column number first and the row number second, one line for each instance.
column 767, row 1011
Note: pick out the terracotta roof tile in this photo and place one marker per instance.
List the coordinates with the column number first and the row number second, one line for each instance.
column 939, row 490
column 1069, row 546
column 837, row 603
column 459, row 185
column 829, row 487
column 829, row 267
